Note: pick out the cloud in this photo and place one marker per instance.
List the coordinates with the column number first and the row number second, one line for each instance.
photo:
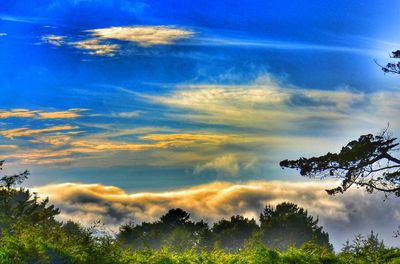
column 2, row 34
column 128, row 114
column 144, row 36
column 54, row 39
column 2, row 146
column 65, row 144
column 270, row 105
column 178, row 139
column 17, row 113
column 225, row 164
column 40, row 114
column 96, row 47
column 23, row 132
column 55, row 140
column 281, row 45
column 97, row 41
column 342, row 216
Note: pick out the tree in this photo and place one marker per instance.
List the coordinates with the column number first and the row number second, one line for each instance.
column 368, row 162
column 368, row 250
column 232, row 234
column 392, row 67
column 9, row 181
column 174, row 229
column 289, row 225
column 21, row 204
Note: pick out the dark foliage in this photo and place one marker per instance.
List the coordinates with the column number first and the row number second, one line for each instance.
column 392, row 67
column 232, row 234
column 289, row 225
column 368, row 162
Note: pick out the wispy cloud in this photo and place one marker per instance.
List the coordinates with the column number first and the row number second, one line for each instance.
column 40, row 114
column 270, row 105
column 225, row 164
column 23, row 132
column 342, row 216
column 65, row 143
column 2, row 146
column 130, row 114
column 54, row 40
column 96, row 47
column 280, row 45
column 25, row 19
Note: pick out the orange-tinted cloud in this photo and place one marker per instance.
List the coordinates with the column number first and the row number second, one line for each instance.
column 39, row 114
column 22, row 132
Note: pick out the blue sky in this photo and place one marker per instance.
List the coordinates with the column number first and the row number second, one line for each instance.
column 154, row 96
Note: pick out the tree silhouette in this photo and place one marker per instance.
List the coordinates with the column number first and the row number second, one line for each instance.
column 9, row 181
column 391, row 67
column 232, row 234
column 289, row 225
column 368, row 162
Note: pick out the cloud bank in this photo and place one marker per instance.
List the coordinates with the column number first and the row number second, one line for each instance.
column 342, row 216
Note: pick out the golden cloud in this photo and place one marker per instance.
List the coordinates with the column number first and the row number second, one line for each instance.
column 23, row 132
column 39, row 114
column 179, row 139
column 17, row 113
column 96, row 47
column 210, row 201
column 268, row 104
column 2, row 146
column 98, row 43
column 342, row 216
column 145, row 36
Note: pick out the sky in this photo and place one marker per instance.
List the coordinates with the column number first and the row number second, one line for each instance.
column 121, row 109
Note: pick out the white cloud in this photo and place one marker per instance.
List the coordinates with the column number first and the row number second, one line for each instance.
column 128, row 114
column 54, row 39
column 225, row 164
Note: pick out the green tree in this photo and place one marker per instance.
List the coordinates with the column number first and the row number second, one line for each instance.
column 368, row 250
column 21, row 204
column 174, row 229
column 289, row 225
column 368, row 162
column 232, row 234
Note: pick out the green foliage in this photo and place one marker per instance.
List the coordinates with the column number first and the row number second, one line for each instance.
column 232, row 234
column 31, row 234
column 289, row 225
column 174, row 229
column 369, row 250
